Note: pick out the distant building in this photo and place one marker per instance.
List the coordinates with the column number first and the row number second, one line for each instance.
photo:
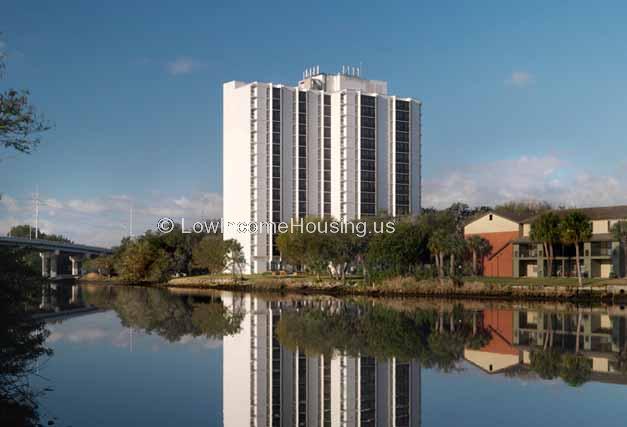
column 514, row 254
column 335, row 145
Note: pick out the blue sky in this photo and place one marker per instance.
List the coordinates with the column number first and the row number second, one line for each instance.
column 520, row 100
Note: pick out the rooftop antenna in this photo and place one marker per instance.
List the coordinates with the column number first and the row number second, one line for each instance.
column 317, row 69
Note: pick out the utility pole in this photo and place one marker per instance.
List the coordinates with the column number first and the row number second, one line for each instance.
column 37, row 213
column 130, row 224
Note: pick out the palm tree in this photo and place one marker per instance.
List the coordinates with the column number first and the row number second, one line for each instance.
column 437, row 247
column 235, row 257
column 480, row 248
column 457, row 248
column 546, row 229
column 619, row 230
column 576, row 228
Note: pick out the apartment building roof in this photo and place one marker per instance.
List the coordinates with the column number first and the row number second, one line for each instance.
column 512, row 216
column 596, row 213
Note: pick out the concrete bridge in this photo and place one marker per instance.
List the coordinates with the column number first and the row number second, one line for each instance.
column 51, row 252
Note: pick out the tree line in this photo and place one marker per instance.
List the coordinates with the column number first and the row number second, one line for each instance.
column 429, row 245
column 156, row 256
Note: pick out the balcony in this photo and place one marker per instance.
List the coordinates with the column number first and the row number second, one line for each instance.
column 602, row 249
column 527, row 252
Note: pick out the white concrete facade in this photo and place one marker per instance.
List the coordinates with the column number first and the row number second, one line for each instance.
column 334, row 145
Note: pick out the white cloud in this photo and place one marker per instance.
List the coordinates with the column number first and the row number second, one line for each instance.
column 104, row 221
column 520, row 79
column 525, row 178
column 183, row 65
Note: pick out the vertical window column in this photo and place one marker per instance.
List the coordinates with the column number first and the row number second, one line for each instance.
column 367, row 150
column 326, row 158
column 343, row 160
column 276, row 162
column 253, row 169
column 402, row 159
column 302, row 154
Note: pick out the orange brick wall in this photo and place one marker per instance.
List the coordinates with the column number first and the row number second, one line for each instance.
column 501, row 262
column 501, row 323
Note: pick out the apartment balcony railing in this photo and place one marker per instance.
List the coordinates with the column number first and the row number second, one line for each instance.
column 601, row 251
column 527, row 253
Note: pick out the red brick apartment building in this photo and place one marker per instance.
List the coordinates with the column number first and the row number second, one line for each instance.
column 514, row 254
column 501, row 230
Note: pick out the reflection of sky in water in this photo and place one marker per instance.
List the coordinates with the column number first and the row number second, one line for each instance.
column 105, row 374
column 97, row 379
column 474, row 398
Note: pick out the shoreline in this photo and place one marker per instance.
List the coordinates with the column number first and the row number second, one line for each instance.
column 615, row 294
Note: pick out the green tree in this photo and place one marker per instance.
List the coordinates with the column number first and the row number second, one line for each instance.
column 457, row 248
column 103, row 265
column 575, row 369
column 575, row 229
column 400, row 252
column 22, row 338
column 235, row 260
column 291, row 245
column 27, row 231
column 137, row 259
column 546, row 363
column 546, row 229
column 210, row 254
column 523, row 208
column 619, row 231
column 480, row 248
column 20, row 124
column 438, row 245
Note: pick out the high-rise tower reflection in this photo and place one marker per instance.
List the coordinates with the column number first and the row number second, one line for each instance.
column 286, row 387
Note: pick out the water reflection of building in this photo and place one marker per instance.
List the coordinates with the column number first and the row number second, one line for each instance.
column 500, row 353
column 515, row 334
column 284, row 387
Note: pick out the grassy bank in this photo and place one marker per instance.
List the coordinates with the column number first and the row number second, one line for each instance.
column 549, row 289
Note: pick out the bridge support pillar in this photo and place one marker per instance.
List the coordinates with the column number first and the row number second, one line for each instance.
column 76, row 297
column 75, row 265
column 45, row 264
column 54, row 265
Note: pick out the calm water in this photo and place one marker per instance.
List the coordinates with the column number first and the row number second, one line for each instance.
column 146, row 357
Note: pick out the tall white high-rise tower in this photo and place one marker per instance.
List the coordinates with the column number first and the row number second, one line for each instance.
column 335, row 145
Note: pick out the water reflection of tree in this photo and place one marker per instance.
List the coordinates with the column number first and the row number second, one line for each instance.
column 435, row 338
column 169, row 316
column 550, row 362
column 21, row 340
